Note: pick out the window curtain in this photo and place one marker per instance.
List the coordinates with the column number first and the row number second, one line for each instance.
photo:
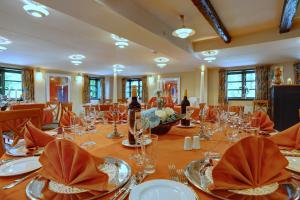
column 145, row 89
column 102, row 88
column 263, row 82
column 222, row 98
column 28, row 84
column 86, row 89
column 124, row 88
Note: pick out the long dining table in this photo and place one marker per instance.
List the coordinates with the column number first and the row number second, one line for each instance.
column 169, row 151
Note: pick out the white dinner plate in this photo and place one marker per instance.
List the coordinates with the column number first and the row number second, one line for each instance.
column 190, row 126
column 20, row 166
column 294, row 163
column 161, row 190
column 126, row 143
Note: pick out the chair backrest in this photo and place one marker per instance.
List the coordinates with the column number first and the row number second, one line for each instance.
column 55, row 106
column 299, row 114
column 236, row 109
column 260, row 106
column 39, row 106
column 11, row 120
column 64, row 107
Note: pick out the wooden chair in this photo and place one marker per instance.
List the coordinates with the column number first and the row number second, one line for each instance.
column 299, row 113
column 236, row 109
column 55, row 105
column 260, row 105
column 10, row 121
column 64, row 107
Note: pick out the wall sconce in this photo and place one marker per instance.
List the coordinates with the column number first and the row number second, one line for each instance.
column 38, row 75
column 151, row 80
column 78, row 78
column 202, row 68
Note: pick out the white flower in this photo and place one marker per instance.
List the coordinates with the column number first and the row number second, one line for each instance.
column 169, row 111
column 161, row 114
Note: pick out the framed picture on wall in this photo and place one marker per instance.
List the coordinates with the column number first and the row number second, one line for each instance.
column 171, row 87
column 58, row 88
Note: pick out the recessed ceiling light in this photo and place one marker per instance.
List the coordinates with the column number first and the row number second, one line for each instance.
column 210, row 59
column 76, row 62
column 76, row 57
column 4, row 40
column 35, row 9
column 2, row 48
column 121, row 45
column 161, row 59
column 210, row 53
column 161, row 65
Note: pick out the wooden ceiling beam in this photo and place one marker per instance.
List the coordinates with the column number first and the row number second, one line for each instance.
column 208, row 11
column 288, row 13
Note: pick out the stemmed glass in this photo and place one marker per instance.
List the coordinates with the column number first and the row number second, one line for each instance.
column 255, row 125
column 83, row 131
column 189, row 111
column 137, row 132
column 122, row 111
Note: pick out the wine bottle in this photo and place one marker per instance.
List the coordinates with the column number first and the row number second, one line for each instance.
column 184, row 103
column 134, row 112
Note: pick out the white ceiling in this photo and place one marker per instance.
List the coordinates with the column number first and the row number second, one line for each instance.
column 74, row 26
column 48, row 42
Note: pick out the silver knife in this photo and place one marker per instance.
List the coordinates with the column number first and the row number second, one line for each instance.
column 123, row 189
column 120, row 191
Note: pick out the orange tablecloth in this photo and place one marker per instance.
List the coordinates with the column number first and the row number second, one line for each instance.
column 170, row 148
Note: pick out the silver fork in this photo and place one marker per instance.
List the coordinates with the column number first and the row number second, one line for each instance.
column 178, row 176
column 183, row 180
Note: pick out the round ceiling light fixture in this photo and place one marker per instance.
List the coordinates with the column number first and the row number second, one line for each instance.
column 4, row 40
column 77, row 57
column 161, row 62
column 119, row 41
column 161, row 65
column 210, row 59
column 118, row 66
column 35, row 9
column 2, row 48
column 76, row 62
column 210, row 53
column 183, row 32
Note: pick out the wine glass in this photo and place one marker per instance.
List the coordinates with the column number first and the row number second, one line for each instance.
column 122, row 111
column 255, row 125
column 189, row 111
column 137, row 132
column 211, row 130
column 83, row 130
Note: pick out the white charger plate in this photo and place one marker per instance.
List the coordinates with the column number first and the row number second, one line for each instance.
column 161, row 190
column 190, row 126
column 294, row 163
column 126, row 143
column 20, row 166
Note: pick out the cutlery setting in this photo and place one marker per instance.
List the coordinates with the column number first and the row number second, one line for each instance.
column 178, row 176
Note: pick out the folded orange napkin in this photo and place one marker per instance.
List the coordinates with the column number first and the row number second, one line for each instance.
column 35, row 137
column 266, row 123
column 250, row 163
column 65, row 162
column 288, row 138
column 211, row 115
column 66, row 119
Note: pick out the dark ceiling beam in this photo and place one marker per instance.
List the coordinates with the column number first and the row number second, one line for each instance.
column 288, row 13
column 208, row 11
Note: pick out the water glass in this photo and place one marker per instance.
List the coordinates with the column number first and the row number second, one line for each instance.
column 150, row 153
column 255, row 124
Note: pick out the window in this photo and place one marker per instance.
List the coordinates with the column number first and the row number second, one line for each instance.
column 132, row 82
column 95, row 89
column 241, row 85
column 11, row 82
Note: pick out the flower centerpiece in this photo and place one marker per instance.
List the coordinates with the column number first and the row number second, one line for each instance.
column 160, row 120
